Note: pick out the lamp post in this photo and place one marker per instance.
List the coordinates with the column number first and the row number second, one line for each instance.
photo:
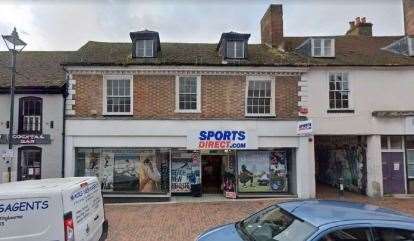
column 15, row 45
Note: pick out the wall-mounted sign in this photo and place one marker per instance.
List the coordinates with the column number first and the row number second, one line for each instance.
column 30, row 139
column 304, row 127
column 219, row 139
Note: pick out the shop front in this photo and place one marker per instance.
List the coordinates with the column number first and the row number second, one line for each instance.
column 204, row 157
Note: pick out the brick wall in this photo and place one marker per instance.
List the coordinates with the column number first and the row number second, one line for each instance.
column 88, row 95
column 271, row 26
column 222, row 97
column 408, row 6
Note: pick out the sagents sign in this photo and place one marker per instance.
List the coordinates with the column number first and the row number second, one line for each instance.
column 31, row 139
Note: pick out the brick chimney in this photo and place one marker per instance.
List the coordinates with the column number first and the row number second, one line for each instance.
column 271, row 26
column 408, row 7
column 360, row 27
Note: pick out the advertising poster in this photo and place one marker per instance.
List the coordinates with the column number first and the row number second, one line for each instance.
column 185, row 171
column 229, row 177
column 181, row 172
column 107, row 171
column 125, row 175
column 92, row 164
column 254, row 171
column 138, row 172
column 278, row 171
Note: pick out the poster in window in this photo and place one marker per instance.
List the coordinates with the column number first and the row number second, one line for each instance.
column 139, row 171
column 185, row 171
column 229, row 177
column 125, row 176
column 278, row 171
column 253, row 171
column 92, row 164
column 181, row 173
column 107, row 171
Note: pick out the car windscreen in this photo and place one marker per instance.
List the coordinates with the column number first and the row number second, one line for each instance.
column 275, row 224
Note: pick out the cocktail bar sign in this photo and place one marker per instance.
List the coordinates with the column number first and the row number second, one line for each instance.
column 30, row 139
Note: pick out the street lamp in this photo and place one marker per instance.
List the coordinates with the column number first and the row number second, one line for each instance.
column 15, row 45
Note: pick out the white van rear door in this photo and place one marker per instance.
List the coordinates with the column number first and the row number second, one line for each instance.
column 31, row 218
column 85, row 203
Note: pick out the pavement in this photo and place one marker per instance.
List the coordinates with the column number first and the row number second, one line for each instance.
column 183, row 221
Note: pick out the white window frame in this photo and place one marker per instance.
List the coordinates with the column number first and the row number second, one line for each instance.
column 272, row 94
column 234, row 42
column 146, row 55
column 350, row 103
column 131, row 90
column 410, row 41
column 177, row 95
column 323, row 54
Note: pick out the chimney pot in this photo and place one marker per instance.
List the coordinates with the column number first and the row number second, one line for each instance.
column 360, row 27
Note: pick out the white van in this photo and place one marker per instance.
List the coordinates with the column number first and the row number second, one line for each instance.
column 61, row 209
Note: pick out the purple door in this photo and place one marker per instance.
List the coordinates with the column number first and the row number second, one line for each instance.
column 393, row 172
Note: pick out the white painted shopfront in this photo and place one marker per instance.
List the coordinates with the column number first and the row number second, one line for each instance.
column 276, row 143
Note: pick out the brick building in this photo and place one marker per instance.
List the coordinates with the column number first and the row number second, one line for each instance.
column 161, row 117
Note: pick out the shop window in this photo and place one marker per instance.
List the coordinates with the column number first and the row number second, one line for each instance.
column 188, row 94
column 185, row 170
column 126, row 169
column 30, row 115
column 30, row 159
column 118, row 95
column 391, row 142
column 409, row 142
column 410, row 163
column 339, row 91
column 260, row 97
column 263, row 171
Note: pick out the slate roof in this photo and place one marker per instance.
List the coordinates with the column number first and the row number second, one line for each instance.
column 104, row 53
column 350, row 51
column 44, row 68
column 356, row 51
column 34, row 69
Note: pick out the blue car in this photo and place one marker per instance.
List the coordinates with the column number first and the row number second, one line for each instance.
column 318, row 221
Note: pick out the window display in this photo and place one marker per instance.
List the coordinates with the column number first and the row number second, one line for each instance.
column 126, row 169
column 185, row 171
column 262, row 171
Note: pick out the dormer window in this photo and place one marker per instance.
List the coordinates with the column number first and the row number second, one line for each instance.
column 235, row 49
column 145, row 44
column 323, row 47
column 145, row 48
column 233, row 45
column 411, row 46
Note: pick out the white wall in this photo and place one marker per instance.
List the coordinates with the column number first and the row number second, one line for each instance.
column 51, row 153
column 372, row 89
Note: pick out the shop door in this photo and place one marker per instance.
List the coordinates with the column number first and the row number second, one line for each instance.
column 393, row 172
column 212, row 174
column 29, row 164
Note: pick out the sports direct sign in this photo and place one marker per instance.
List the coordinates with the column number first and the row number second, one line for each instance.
column 222, row 139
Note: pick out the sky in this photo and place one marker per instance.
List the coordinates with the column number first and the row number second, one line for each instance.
column 67, row 25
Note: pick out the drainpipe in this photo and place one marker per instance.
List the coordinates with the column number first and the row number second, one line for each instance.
column 65, row 95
